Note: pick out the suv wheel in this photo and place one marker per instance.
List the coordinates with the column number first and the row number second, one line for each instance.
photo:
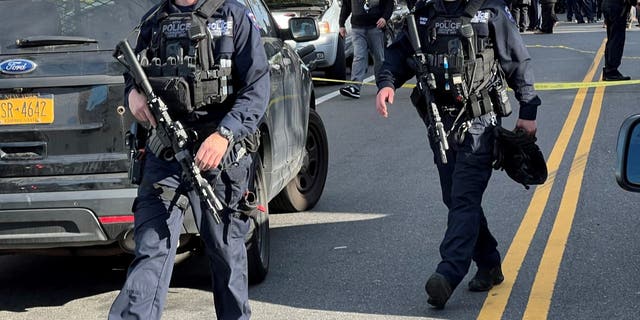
column 304, row 191
column 258, row 236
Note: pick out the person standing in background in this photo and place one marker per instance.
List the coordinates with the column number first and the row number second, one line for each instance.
column 534, row 16
column 585, row 7
column 368, row 20
column 615, row 19
column 520, row 10
column 549, row 18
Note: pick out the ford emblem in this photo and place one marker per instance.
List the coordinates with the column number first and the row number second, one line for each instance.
column 17, row 66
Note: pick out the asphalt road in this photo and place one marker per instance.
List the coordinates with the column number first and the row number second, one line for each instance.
column 569, row 247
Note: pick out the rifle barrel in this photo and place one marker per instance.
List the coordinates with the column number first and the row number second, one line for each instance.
column 135, row 68
column 413, row 33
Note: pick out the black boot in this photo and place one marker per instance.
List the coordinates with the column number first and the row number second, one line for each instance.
column 614, row 76
column 439, row 290
column 485, row 279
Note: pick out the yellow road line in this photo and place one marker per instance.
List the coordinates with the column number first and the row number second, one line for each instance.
column 544, row 283
column 572, row 49
column 497, row 299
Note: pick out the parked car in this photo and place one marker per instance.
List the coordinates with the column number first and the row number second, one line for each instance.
column 64, row 186
column 332, row 50
column 333, row 53
column 628, row 165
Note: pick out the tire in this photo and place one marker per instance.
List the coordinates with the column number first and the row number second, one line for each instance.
column 258, row 236
column 304, row 191
column 338, row 70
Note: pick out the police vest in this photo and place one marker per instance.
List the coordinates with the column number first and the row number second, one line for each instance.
column 459, row 53
column 188, row 61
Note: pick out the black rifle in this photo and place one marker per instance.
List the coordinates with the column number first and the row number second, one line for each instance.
column 425, row 83
column 171, row 133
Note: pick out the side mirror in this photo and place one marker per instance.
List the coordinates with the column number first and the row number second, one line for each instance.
column 303, row 29
column 628, row 150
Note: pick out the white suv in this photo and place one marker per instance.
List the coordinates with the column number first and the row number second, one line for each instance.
column 331, row 50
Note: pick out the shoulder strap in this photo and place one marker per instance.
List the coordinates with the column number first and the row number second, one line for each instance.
column 469, row 10
column 203, row 12
column 208, row 8
column 472, row 8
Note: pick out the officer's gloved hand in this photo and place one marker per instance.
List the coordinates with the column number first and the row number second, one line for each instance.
column 518, row 155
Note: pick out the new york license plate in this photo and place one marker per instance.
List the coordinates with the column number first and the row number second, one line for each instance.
column 26, row 109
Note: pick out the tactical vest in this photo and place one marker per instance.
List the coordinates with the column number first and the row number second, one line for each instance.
column 460, row 55
column 180, row 60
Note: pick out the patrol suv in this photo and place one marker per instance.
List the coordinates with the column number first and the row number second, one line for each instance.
column 64, row 186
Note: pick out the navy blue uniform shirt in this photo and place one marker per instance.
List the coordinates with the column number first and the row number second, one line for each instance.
column 509, row 49
column 243, row 109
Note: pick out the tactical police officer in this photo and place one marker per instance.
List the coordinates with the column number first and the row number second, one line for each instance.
column 205, row 58
column 471, row 51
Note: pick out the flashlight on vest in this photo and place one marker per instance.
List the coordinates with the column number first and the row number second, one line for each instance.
column 466, row 30
column 196, row 33
column 445, row 63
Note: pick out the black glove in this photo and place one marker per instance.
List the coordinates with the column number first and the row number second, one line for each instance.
column 518, row 155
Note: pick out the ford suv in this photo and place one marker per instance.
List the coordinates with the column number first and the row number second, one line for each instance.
column 64, row 186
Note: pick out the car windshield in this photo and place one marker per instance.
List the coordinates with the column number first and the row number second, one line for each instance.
column 279, row 4
column 45, row 25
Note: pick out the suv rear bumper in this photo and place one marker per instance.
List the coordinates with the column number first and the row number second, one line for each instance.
column 62, row 219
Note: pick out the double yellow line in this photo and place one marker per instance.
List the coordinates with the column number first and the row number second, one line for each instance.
column 546, row 276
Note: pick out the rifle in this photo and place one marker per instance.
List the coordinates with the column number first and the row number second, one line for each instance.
column 170, row 133
column 425, row 83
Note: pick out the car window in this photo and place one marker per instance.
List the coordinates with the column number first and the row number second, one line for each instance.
column 107, row 21
column 262, row 17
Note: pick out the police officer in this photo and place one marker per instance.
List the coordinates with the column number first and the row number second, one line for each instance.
column 177, row 38
column 469, row 110
column 615, row 19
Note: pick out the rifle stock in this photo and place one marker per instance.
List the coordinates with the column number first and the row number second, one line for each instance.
column 425, row 84
column 171, row 133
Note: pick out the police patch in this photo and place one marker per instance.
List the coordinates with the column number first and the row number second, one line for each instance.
column 508, row 13
column 446, row 26
column 176, row 28
column 220, row 27
column 481, row 17
column 422, row 20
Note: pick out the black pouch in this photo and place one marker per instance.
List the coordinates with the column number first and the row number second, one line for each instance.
column 175, row 93
column 499, row 96
column 420, row 103
column 252, row 142
column 479, row 104
column 136, row 138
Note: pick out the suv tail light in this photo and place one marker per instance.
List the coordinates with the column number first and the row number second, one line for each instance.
column 116, row 219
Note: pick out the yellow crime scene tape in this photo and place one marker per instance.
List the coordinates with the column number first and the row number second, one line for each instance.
column 539, row 86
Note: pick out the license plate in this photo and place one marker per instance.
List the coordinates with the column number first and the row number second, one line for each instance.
column 26, row 110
